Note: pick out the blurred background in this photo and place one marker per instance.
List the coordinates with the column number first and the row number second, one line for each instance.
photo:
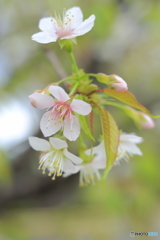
column 125, row 41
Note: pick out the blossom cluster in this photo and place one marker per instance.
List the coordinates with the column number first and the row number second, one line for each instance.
column 69, row 116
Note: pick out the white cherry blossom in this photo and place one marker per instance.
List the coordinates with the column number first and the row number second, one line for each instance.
column 54, row 157
column 89, row 172
column 127, row 147
column 60, row 114
column 69, row 26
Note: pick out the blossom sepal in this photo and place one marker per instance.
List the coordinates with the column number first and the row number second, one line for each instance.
column 67, row 44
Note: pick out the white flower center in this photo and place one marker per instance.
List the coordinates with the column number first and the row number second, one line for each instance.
column 53, row 161
column 63, row 26
column 88, row 175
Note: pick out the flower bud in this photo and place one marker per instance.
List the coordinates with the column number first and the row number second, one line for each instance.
column 141, row 119
column 146, row 121
column 118, row 83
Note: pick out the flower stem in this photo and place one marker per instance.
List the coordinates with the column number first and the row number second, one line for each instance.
column 74, row 64
column 63, row 80
column 74, row 88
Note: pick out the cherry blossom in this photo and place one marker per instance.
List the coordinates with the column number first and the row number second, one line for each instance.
column 127, row 147
column 60, row 116
column 118, row 84
column 89, row 171
column 69, row 26
column 146, row 121
column 55, row 157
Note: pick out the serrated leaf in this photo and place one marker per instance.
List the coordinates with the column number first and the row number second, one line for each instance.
column 129, row 99
column 85, row 126
column 111, row 138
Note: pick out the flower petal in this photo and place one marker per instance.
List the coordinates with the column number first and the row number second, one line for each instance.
column 100, row 164
column 44, row 37
column 72, row 157
column 49, row 125
column 131, row 148
column 76, row 16
column 76, row 169
column 80, row 107
column 85, row 26
column 71, row 129
column 130, row 138
column 39, row 144
column 58, row 143
column 40, row 100
column 68, row 166
column 47, row 24
column 59, row 93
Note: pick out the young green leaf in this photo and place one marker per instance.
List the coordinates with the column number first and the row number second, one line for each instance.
column 85, row 126
column 111, row 138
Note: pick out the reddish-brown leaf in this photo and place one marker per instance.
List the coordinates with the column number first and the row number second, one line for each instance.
column 129, row 99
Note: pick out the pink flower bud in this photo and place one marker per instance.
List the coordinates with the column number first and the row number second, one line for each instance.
column 147, row 121
column 118, row 83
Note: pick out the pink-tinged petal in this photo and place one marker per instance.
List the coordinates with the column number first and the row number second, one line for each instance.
column 68, row 166
column 76, row 16
column 72, row 157
column 147, row 121
column 40, row 100
column 124, row 137
column 69, row 36
column 47, row 24
column 39, row 144
column 49, row 125
column 58, row 143
column 85, row 27
column 80, row 107
column 119, row 84
column 59, row 93
column 44, row 37
column 71, row 129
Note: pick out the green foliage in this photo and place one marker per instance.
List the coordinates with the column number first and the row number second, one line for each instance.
column 85, row 126
column 111, row 137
